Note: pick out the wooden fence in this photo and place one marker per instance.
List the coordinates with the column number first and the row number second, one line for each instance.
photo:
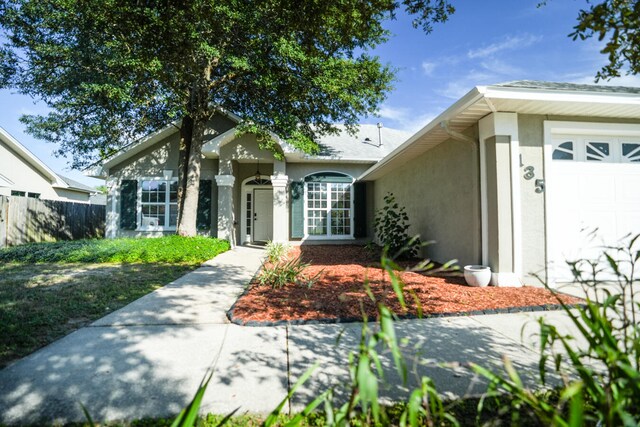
column 24, row 220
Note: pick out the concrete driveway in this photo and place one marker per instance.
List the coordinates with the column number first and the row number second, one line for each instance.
column 147, row 359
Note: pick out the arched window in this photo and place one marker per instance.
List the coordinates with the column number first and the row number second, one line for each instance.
column 328, row 205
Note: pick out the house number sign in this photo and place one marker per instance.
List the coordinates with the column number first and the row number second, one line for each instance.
column 529, row 174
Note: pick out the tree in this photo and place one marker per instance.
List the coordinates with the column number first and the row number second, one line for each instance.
column 112, row 70
column 617, row 21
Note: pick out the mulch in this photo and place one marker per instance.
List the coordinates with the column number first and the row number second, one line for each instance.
column 339, row 295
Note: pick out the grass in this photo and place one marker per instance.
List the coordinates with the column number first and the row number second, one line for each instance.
column 48, row 290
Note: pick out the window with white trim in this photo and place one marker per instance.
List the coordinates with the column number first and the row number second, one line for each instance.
column 329, row 208
column 158, row 204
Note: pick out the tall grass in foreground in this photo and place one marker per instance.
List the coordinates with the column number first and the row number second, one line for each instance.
column 600, row 381
column 167, row 249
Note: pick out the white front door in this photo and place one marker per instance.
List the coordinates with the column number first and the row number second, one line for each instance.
column 262, row 214
column 594, row 184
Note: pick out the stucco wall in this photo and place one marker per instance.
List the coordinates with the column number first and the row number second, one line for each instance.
column 531, row 135
column 297, row 171
column 441, row 193
column 27, row 178
column 151, row 163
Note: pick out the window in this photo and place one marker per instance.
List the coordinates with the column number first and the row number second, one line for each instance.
column 158, row 204
column 564, row 151
column 33, row 195
column 597, row 151
column 631, row 152
column 18, row 193
column 328, row 206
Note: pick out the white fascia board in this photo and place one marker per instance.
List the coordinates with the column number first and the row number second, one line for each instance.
column 547, row 95
column 27, row 155
column 140, row 145
column 473, row 96
column 95, row 171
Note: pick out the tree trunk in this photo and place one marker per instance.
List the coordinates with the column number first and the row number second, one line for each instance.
column 186, row 134
column 187, row 224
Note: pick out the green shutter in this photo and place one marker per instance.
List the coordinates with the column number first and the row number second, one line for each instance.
column 360, row 209
column 297, row 210
column 204, row 205
column 128, row 204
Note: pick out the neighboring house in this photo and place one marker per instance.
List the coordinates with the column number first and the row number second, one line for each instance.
column 23, row 174
column 508, row 176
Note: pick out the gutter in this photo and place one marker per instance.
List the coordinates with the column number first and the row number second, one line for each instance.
column 473, row 96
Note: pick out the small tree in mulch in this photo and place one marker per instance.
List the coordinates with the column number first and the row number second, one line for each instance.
column 391, row 227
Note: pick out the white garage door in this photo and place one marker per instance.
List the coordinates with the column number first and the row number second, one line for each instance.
column 593, row 196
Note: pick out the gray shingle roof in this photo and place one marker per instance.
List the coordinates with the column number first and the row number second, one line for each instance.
column 75, row 185
column 534, row 84
column 363, row 146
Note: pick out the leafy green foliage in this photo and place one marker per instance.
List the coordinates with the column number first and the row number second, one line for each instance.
column 276, row 251
column 617, row 22
column 601, row 379
column 168, row 249
column 286, row 271
column 392, row 229
column 111, row 70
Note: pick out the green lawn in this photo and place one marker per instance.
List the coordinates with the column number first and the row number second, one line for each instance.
column 48, row 290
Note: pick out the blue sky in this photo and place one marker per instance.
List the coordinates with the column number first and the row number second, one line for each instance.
column 484, row 42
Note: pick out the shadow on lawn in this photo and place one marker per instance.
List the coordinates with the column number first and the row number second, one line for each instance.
column 145, row 360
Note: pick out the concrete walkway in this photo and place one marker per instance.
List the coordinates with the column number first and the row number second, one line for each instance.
column 147, row 359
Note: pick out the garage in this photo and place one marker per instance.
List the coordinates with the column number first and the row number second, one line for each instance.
column 593, row 192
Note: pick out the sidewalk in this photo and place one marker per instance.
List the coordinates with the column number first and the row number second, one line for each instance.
column 147, row 359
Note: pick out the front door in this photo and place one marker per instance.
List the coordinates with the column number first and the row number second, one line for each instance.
column 263, row 214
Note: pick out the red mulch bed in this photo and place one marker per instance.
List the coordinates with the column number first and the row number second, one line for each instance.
column 339, row 294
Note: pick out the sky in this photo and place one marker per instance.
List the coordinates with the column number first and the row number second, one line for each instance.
column 484, row 42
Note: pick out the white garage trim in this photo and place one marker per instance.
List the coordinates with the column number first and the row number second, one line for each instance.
column 613, row 133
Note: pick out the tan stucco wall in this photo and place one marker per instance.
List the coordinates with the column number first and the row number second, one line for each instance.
column 27, row 178
column 531, row 138
column 441, row 193
column 151, row 163
column 297, row 171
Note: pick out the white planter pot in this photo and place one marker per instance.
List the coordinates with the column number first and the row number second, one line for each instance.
column 477, row 275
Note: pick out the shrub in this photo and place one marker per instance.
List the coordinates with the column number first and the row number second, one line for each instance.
column 601, row 381
column 391, row 226
column 167, row 249
column 284, row 272
column 276, row 251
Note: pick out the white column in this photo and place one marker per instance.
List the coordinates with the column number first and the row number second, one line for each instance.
column 500, row 197
column 225, row 208
column 113, row 215
column 280, row 185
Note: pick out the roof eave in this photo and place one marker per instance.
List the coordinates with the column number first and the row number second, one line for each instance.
column 472, row 97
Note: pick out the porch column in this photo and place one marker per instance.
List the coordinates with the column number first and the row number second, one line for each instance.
column 225, row 208
column 113, row 217
column 500, row 198
column 280, row 184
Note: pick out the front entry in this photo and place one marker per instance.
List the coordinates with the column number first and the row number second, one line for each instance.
column 262, row 214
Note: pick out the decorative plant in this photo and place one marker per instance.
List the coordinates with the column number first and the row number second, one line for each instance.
column 391, row 227
column 276, row 251
column 284, row 272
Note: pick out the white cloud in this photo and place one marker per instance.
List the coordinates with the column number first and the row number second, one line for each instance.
column 428, row 67
column 404, row 119
column 499, row 67
column 510, row 43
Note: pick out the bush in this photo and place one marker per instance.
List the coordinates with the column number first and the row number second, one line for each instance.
column 284, row 272
column 391, row 226
column 168, row 249
column 276, row 251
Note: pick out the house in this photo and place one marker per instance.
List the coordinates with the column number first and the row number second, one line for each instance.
column 516, row 175
column 508, row 176
column 23, row 174
column 246, row 195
